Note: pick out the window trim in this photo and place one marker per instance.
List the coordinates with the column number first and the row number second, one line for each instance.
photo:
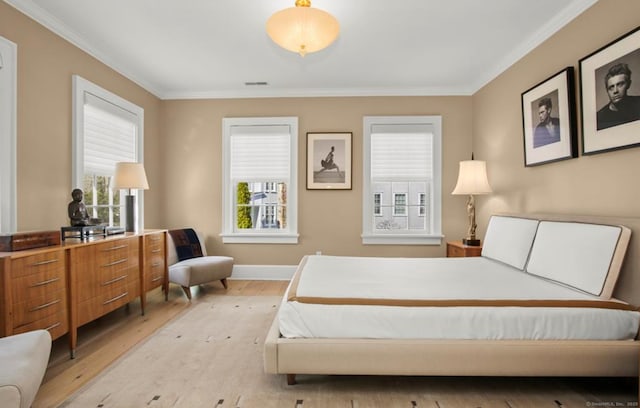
column 371, row 237
column 80, row 86
column 267, row 235
column 8, row 140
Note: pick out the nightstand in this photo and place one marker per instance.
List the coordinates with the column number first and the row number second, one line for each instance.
column 458, row 249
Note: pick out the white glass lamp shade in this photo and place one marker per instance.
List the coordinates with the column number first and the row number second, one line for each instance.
column 472, row 178
column 130, row 176
column 303, row 29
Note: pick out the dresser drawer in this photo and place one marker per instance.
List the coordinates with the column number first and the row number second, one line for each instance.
column 110, row 252
column 104, row 281
column 154, row 276
column 28, row 287
column 57, row 324
column 39, row 263
column 154, row 244
column 106, row 302
column 39, row 308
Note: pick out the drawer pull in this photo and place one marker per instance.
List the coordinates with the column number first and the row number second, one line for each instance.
column 119, row 278
column 156, row 279
column 155, row 251
column 115, row 298
column 156, row 264
column 53, row 326
column 46, row 305
column 48, row 261
column 115, row 248
column 35, row 285
column 119, row 261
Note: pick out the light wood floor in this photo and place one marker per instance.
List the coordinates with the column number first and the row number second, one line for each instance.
column 103, row 341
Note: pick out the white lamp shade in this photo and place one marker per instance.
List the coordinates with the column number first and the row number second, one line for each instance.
column 303, row 29
column 472, row 178
column 131, row 176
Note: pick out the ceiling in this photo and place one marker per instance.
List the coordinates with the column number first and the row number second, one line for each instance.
column 181, row 49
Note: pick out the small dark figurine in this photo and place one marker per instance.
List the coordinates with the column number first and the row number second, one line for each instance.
column 78, row 212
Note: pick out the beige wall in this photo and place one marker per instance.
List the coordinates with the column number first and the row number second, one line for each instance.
column 182, row 151
column 601, row 184
column 45, row 66
column 183, row 145
column 329, row 221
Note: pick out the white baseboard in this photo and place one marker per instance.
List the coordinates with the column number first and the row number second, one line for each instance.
column 263, row 272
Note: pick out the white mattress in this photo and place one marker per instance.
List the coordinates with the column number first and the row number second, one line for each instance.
column 441, row 278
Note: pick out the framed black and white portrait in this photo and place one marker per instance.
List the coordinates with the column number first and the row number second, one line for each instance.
column 548, row 120
column 329, row 161
column 610, row 95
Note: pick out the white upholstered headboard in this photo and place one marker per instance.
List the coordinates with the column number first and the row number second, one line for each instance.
column 628, row 285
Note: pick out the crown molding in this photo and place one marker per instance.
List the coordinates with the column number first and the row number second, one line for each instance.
column 41, row 16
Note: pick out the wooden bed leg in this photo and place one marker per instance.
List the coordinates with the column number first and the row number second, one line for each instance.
column 291, row 379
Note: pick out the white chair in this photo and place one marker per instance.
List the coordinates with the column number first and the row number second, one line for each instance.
column 23, row 361
column 198, row 269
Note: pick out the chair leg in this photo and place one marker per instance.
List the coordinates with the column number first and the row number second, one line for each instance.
column 187, row 291
column 224, row 282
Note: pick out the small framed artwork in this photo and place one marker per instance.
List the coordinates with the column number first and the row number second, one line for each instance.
column 610, row 92
column 329, row 161
column 549, row 120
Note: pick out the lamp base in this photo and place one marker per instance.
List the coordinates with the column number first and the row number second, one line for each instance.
column 471, row 242
column 130, row 209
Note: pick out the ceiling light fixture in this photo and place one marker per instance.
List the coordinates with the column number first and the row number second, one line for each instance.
column 303, row 29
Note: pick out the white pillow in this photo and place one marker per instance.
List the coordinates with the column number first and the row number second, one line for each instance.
column 509, row 240
column 576, row 254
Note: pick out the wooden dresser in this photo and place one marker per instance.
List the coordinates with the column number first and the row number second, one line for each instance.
column 34, row 292
column 61, row 288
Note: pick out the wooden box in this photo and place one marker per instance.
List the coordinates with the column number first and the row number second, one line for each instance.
column 27, row 240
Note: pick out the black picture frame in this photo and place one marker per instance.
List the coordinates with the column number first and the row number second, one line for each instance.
column 554, row 138
column 329, row 156
column 605, row 127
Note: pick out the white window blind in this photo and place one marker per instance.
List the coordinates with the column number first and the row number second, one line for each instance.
column 107, row 129
column 260, row 153
column 401, row 155
column 402, row 180
column 109, row 136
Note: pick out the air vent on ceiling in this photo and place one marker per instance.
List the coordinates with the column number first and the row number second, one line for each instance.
column 256, row 83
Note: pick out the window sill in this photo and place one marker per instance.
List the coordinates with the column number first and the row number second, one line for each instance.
column 401, row 239
column 266, row 238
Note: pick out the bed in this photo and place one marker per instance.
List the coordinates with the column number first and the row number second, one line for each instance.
column 550, row 296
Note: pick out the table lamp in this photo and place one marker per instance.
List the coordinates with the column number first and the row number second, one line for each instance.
column 472, row 180
column 130, row 176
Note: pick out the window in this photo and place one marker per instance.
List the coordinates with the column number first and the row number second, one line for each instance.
column 377, row 204
column 400, row 204
column 260, row 170
column 8, row 81
column 107, row 129
column 402, row 180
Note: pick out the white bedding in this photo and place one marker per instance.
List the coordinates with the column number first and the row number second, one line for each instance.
column 441, row 278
